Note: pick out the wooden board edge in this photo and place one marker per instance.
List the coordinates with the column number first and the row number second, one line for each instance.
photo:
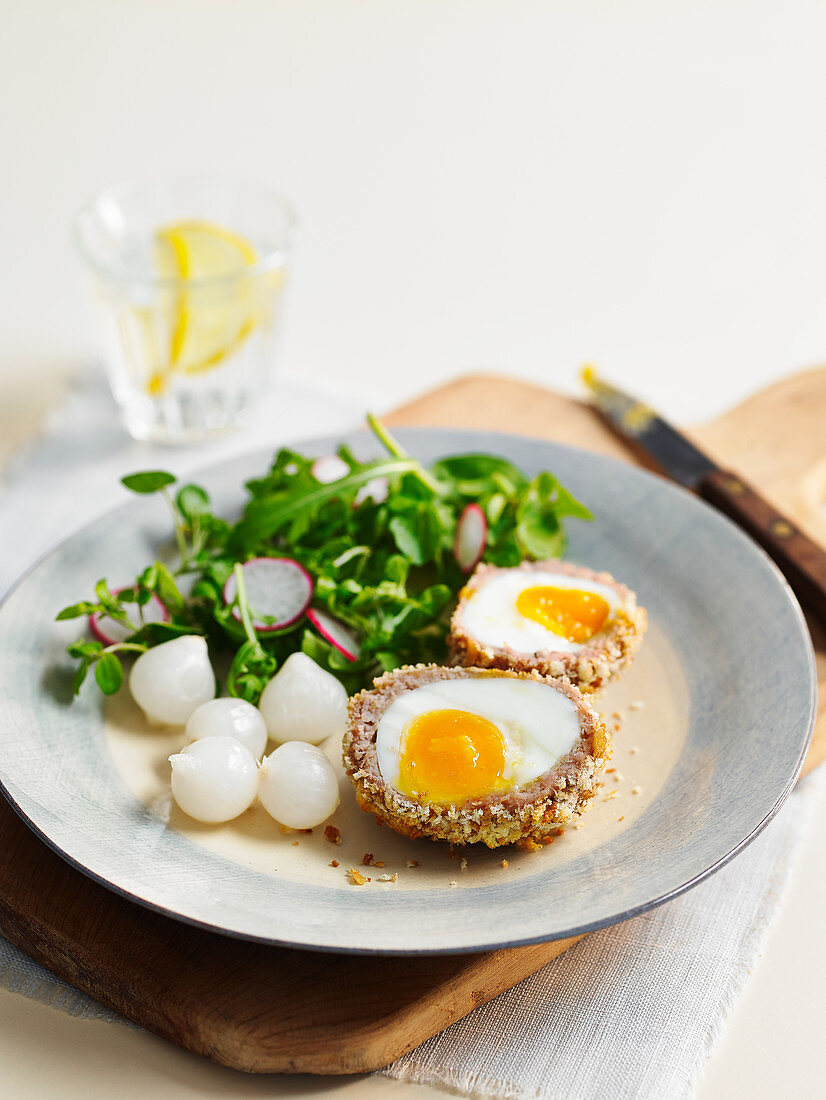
column 486, row 976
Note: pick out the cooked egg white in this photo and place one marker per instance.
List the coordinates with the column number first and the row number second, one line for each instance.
column 457, row 739
column 492, row 615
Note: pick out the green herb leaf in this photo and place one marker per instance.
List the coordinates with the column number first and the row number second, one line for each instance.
column 251, row 670
column 416, row 534
column 474, row 475
column 109, row 673
column 77, row 610
column 167, row 590
column 192, row 501
column 539, row 529
column 84, row 649
column 266, row 515
column 149, row 577
column 80, row 676
column 148, row 481
column 154, row 633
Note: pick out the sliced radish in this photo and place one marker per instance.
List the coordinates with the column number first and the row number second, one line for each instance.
column 278, row 588
column 376, row 489
column 470, row 538
column 329, row 468
column 110, row 632
column 336, row 633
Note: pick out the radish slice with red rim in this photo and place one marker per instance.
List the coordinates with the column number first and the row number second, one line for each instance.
column 470, row 538
column 337, row 634
column 278, row 592
column 110, row 632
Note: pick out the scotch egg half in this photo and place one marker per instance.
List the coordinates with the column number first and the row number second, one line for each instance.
column 552, row 617
column 473, row 755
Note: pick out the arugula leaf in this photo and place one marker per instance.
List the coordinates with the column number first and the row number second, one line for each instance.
column 475, row 475
column 417, row 533
column 265, row 515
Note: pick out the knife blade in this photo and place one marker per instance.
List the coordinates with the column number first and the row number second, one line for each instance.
column 801, row 560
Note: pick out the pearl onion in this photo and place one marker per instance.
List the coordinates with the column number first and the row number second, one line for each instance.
column 304, row 702
column 214, row 779
column 298, row 785
column 229, row 718
column 172, row 680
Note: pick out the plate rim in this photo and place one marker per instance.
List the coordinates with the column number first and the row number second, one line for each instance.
column 492, row 438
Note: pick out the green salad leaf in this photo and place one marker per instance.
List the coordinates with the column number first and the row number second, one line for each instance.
column 377, row 542
column 148, row 481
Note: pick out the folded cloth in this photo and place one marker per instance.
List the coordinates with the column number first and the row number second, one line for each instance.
column 630, row 1011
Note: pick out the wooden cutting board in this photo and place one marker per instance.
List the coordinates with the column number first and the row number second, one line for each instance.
column 267, row 1010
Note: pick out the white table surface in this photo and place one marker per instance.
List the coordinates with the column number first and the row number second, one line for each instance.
column 517, row 186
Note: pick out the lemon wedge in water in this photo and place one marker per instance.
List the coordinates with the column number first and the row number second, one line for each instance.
column 210, row 319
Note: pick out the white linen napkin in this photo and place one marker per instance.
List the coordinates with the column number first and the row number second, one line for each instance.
column 631, row 1011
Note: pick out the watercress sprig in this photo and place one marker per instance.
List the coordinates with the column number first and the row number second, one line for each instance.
column 377, row 542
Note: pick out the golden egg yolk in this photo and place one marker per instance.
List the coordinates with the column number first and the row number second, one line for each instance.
column 573, row 613
column 452, row 755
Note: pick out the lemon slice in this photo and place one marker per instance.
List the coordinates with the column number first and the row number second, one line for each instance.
column 210, row 320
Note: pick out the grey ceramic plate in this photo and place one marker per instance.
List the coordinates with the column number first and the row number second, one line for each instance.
column 728, row 685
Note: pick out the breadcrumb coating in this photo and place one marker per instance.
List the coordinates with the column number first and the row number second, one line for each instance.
column 588, row 667
column 532, row 811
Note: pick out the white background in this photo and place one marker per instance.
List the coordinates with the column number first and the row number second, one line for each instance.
column 484, row 184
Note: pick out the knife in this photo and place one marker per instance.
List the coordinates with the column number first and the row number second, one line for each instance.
column 658, row 444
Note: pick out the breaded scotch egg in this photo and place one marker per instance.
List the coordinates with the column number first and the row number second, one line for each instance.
column 551, row 617
column 472, row 755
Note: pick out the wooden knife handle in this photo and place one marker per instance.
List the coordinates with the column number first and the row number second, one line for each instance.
column 799, row 558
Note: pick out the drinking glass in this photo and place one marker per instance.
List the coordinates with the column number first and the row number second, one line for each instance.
column 185, row 279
